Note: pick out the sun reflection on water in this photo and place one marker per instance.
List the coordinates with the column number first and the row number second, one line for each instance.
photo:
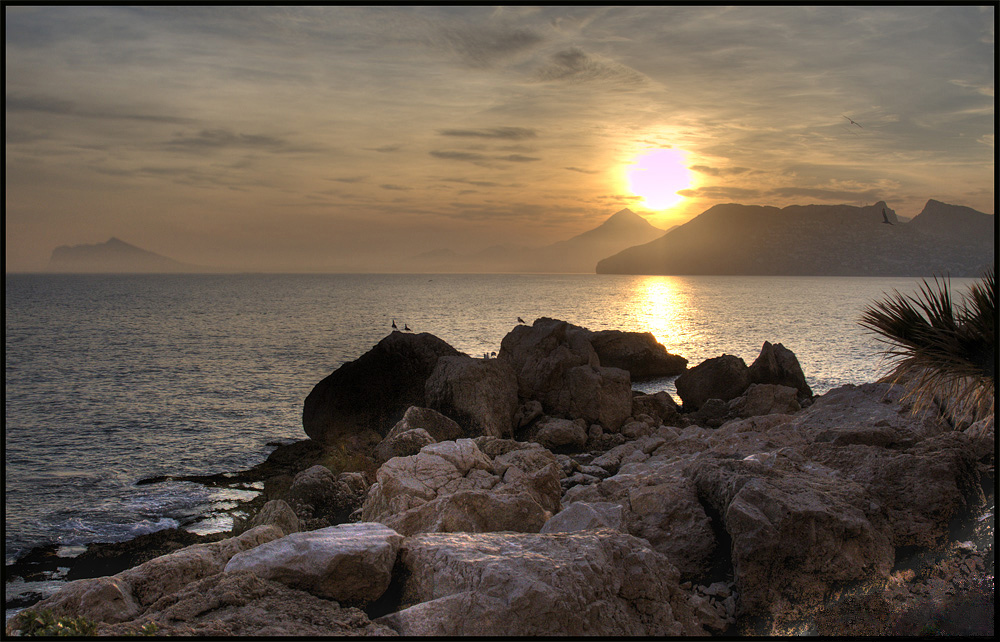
column 662, row 305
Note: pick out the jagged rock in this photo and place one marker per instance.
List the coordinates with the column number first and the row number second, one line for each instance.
column 776, row 364
column 713, row 413
column 612, row 460
column 921, row 488
column 556, row 365
column 124, row 596
column 636, row 429
column 320, row 498
column 587, row 516
column 455, row 486
column 439, row 427
column 504, row 584
column 554, row 433
column 402, row 444
column 725, row 377
column 528, row 412
column 660, row 506
column 661, row 406
column 347, row 563
column 481, row 394
column 798, row 528
column 360, row 401
column 242, row 605
column 276, row 513
column 637, row 352
column 765, row 399
column 981, row 434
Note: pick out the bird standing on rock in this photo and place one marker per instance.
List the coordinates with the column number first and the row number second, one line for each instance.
column 406, row 328
column 520, row 320
column 394, row 325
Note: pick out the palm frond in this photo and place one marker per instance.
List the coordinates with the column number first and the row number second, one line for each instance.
column 942, row 352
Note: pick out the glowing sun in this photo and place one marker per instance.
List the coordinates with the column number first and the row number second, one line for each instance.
column 657, row 176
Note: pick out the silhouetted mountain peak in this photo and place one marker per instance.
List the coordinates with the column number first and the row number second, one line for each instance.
column 114, row 255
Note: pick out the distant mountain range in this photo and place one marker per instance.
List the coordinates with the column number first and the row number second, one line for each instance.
column 578, row 254
column 820, row 240
column 114, row 255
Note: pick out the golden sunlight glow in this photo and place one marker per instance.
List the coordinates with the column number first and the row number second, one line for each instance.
column 657, row 176
column 659, row 305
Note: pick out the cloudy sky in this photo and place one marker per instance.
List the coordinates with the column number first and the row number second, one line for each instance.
column 344, row 138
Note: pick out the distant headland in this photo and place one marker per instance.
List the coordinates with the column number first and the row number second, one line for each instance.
column 114, row 255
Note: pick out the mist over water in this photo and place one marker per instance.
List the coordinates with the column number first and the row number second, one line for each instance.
column 112, row 379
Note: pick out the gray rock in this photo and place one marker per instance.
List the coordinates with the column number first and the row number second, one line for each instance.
column 565, row 584
column 276, row 513
column 357, row 404
column 554, row 433
column 637, row 352
column 586, row 516
column 402, row 444
column 480, row 394
column 776, row 364
column 661, row 406
column 348, row 562
column 439, row 427
column 765, row 399
column 725, row 377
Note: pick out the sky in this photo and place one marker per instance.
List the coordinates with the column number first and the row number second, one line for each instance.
column 350, row 138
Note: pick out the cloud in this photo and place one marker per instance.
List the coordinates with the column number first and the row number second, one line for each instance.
column 472, row 182
column 398, row 188
column 57, row 106
column 485, row 46
column 508, row 133
column 208, row 139
column 475, row 157
column 843, row 196
column 582, row 171
column 385, row 149
column 348, row 179
column 719, row 171
column 574, row 65
column 720, row 192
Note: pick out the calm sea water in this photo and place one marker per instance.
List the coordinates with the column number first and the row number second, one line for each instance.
column 112, row 379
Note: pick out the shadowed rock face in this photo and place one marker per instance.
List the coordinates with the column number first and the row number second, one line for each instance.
column 776, row 364
column 363, row 399
column 724, row 378
column 637, row 352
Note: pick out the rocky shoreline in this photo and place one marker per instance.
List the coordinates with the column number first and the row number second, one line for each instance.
column 536, row 494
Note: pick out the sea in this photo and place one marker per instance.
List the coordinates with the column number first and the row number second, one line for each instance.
column 111, row 379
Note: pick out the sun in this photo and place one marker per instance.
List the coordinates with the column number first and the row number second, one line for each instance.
column 657, row 176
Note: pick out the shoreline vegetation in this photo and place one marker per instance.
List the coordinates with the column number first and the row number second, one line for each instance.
column 750, row 507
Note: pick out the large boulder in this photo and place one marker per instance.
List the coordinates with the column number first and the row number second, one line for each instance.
column 799, row 530
column 243, row 605
column 320, row 498
column 776, row 364
column 660, row 506
column 587, row 516
column 360, row 401
column 348, row 563
column 660, row 406
column 725, row 377
column 556, row 365
column 439, row 427
column 124, row 596
column 637, row 352
column 765, row 399
column 561, row 584
column 402, row 444
column 454, row 486
column 481, row 394
column 555, row 434
column 921, row 488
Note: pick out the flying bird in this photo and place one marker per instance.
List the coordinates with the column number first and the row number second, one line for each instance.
column 520, row 320
column 394, row 325
column 852, row 122
column 885, row 217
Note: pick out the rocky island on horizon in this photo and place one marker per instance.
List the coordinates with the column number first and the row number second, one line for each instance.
column 536, row 494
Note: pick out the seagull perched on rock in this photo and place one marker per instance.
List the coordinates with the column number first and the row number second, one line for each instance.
column 885, row 217
column 394, row 325
column 520, row 320
column 406, row 328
